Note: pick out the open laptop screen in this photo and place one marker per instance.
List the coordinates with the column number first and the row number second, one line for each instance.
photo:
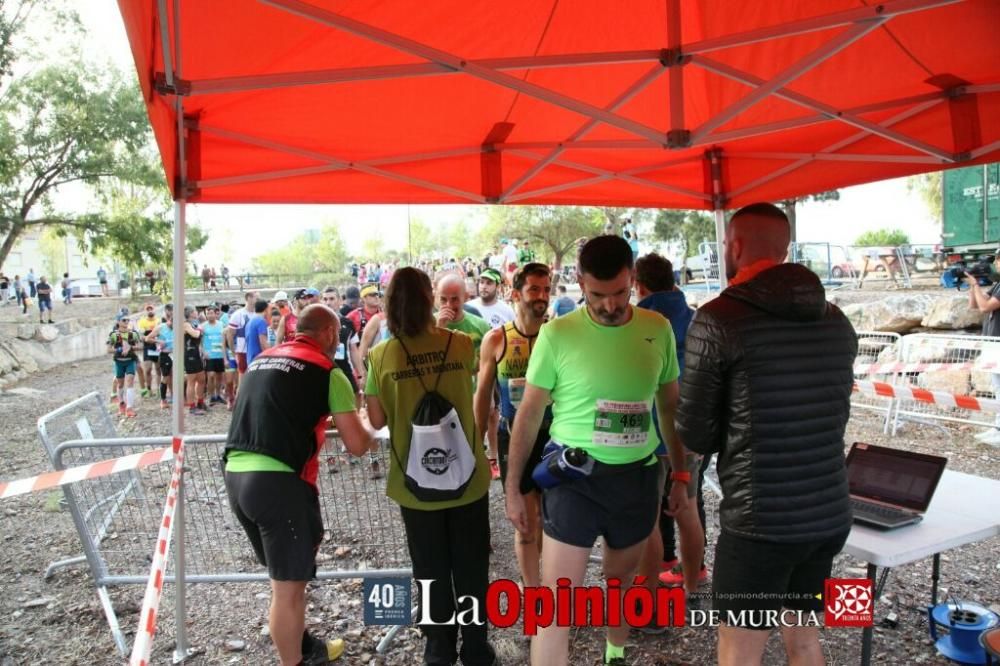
column 903, row 478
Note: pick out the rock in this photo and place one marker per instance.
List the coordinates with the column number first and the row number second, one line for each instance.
column 26, row 331
column 898, row 314
column 35, row 603
column 950, row 381
column 366, row 657
column 235, row 645
column 46, row 333
column 952, row 313
column 262, row 595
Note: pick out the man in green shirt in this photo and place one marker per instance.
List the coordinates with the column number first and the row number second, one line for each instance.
column 451, row 296
column 602, row 367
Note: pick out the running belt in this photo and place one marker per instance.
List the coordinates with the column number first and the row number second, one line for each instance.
column 891, row 487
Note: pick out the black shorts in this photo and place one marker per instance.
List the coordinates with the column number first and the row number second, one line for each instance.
column 280, row 514
column 765, row 575
column 149, row 352
column 193, row 363
column 503, row 449
column 166, row 364
column 619, row 504
column 215, row 365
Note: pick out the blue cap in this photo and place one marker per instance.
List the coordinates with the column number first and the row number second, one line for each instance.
column 312, row 291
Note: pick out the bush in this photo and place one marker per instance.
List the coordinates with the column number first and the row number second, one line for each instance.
column 890, row 237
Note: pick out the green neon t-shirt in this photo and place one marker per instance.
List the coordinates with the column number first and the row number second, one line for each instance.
column 603, row 381
column 340, row 400
column 393, row 379
column 473, row 326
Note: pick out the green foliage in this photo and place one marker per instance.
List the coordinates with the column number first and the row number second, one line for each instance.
column 306, row 255
column 67, row 124
column 882, row 237
column 553, row 230
column 929, row 188
column 687, row 228
column 136, row 228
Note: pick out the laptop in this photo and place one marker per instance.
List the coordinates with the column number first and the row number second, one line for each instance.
column 890, row 487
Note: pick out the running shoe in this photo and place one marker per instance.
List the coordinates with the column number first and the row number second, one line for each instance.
column 121, row 408
column 130, row 413
column 144, row 393
column 164, row 404
column 667, row 565
column 321, row 652
column 333, row 465
column 376, row 472
column 197, row 411
column 675, row 577
column 494, row 469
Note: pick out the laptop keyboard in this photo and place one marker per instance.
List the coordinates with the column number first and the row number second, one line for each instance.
column 878, row 512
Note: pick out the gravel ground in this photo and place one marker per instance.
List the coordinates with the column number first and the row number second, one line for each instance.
column 60, row 620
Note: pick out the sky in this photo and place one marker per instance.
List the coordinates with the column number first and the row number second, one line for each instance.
column 239, row 232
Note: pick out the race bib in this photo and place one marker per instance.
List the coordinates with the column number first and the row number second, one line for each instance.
column 341, row 353
column 621, row 423
column 516, row 388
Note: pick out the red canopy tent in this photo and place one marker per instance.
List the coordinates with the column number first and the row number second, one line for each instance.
column 582, row 102
column 696, row 104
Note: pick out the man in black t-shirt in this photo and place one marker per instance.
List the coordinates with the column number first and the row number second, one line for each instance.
column 44, row 292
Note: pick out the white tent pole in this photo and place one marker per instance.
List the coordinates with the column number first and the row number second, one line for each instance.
column 182, row 648
column 714, row 157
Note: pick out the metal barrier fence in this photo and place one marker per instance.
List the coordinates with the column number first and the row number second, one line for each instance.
column 876, row 347
column 117, row 516
column 963, row 351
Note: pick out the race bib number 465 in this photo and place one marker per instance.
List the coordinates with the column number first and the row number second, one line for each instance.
column 621, row 423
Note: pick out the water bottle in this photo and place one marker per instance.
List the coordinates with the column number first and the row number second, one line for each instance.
column 560, row 464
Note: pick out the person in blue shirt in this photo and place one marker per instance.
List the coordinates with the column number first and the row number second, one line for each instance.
column 564, row 304
column 256, row 331
column 657, row 291
column 215, row 363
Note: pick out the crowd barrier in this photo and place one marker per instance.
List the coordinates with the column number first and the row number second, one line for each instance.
column 875, row 347
column 118, row 516
column 977, row 356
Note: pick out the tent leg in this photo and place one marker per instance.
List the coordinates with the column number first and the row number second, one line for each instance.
column 181, row 647
column 720, row 236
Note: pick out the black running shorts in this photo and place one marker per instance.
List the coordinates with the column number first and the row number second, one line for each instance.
column 503, row 449
column 280, row 514
column 193, row 363
column 215, row 365
column 166, row 364
column 620, row 505
column 765, row 575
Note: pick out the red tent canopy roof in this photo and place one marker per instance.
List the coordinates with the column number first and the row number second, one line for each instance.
column 680, row 104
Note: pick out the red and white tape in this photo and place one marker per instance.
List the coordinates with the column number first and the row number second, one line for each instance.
column 154, row 585
column 901, row 368
column 940, row 398
column 91, row 471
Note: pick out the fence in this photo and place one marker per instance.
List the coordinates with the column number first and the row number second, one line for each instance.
column 961, row 359
column 117, row 516
column 875, row 347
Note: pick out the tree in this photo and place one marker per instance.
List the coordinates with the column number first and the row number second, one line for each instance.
column 928, row 186
column 554, row 229
column 419, row 244
column 789, row 206
column 687, row 228
column 305, row 255
column 882, row 237
column 135, row 228
column 372, row 248
column 67, row 124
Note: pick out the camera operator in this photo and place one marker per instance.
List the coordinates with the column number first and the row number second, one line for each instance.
column 988, row 302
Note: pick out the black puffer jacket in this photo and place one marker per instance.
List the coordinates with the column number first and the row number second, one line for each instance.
column 767, row 385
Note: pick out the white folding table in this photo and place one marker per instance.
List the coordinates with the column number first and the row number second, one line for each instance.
column 965, row 509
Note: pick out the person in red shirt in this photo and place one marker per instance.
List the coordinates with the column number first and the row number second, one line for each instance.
column 371, row 304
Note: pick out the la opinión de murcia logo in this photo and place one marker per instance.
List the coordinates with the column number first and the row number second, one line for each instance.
column 849, row 602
